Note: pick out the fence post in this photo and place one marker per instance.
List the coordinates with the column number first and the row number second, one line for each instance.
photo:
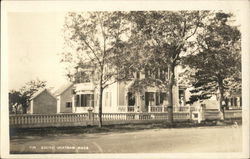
column 190, row 113
column 91, row 116
column 201, row 115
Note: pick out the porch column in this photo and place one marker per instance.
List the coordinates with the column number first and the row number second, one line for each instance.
column 31, row 106
column 137, row 98
column 73, row 104
column 238, row 102
column 126, row 101
column 58, row 106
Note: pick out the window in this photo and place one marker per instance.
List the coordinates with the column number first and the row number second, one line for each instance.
column 68, row 104
column 131, row 99
column 148, row 73
column 232, row 104
column 226, row 101
column 162, row 74
column 235, row 102
column 85, row 100
column 181, row 94
column 163, row 96
column 149, row 98
column 241, row 101
column 181, row 97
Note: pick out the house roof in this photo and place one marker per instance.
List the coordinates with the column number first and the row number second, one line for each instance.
column 62, row 89
column 39, row 92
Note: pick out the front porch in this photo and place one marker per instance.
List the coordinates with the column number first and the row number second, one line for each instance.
column 153, row 100
column 154, row 109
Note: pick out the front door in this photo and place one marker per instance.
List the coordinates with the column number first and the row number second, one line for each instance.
column 131, row 102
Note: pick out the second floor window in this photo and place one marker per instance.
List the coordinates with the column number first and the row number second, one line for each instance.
column 83, row 77
column 137, row 75
column 157, row 74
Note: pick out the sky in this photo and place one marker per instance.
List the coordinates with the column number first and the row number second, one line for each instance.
column 35, row 42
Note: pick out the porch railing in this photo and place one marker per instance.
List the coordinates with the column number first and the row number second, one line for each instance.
column 125, row 109
column 131, row 108
column 156, row 109
column 175, row 109
column 122, row 109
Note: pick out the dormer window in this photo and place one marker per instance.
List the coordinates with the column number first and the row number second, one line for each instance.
column 138, row 75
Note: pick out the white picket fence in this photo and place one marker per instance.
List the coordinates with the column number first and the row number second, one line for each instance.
column 82, row 119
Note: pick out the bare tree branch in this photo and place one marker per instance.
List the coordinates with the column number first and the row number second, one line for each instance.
column 196, row 27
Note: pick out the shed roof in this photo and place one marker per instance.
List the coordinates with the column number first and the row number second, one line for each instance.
column 63, row 88
column 39, row 92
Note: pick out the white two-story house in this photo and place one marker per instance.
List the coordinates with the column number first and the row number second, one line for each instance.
column 117, row 97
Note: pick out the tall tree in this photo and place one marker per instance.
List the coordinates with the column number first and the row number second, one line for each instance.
column 101, row 39
column 164, row 37
column 217, row 65
column 28, row 90
column 15, row 101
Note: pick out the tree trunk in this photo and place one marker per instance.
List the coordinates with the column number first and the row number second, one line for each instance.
column 170, row 96
column 222, row 106
column 100, row 97
column 100, row 107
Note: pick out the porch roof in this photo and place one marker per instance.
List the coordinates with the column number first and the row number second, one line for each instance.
column 84, row 87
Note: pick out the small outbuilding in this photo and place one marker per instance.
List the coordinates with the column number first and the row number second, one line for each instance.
column 43, row 102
